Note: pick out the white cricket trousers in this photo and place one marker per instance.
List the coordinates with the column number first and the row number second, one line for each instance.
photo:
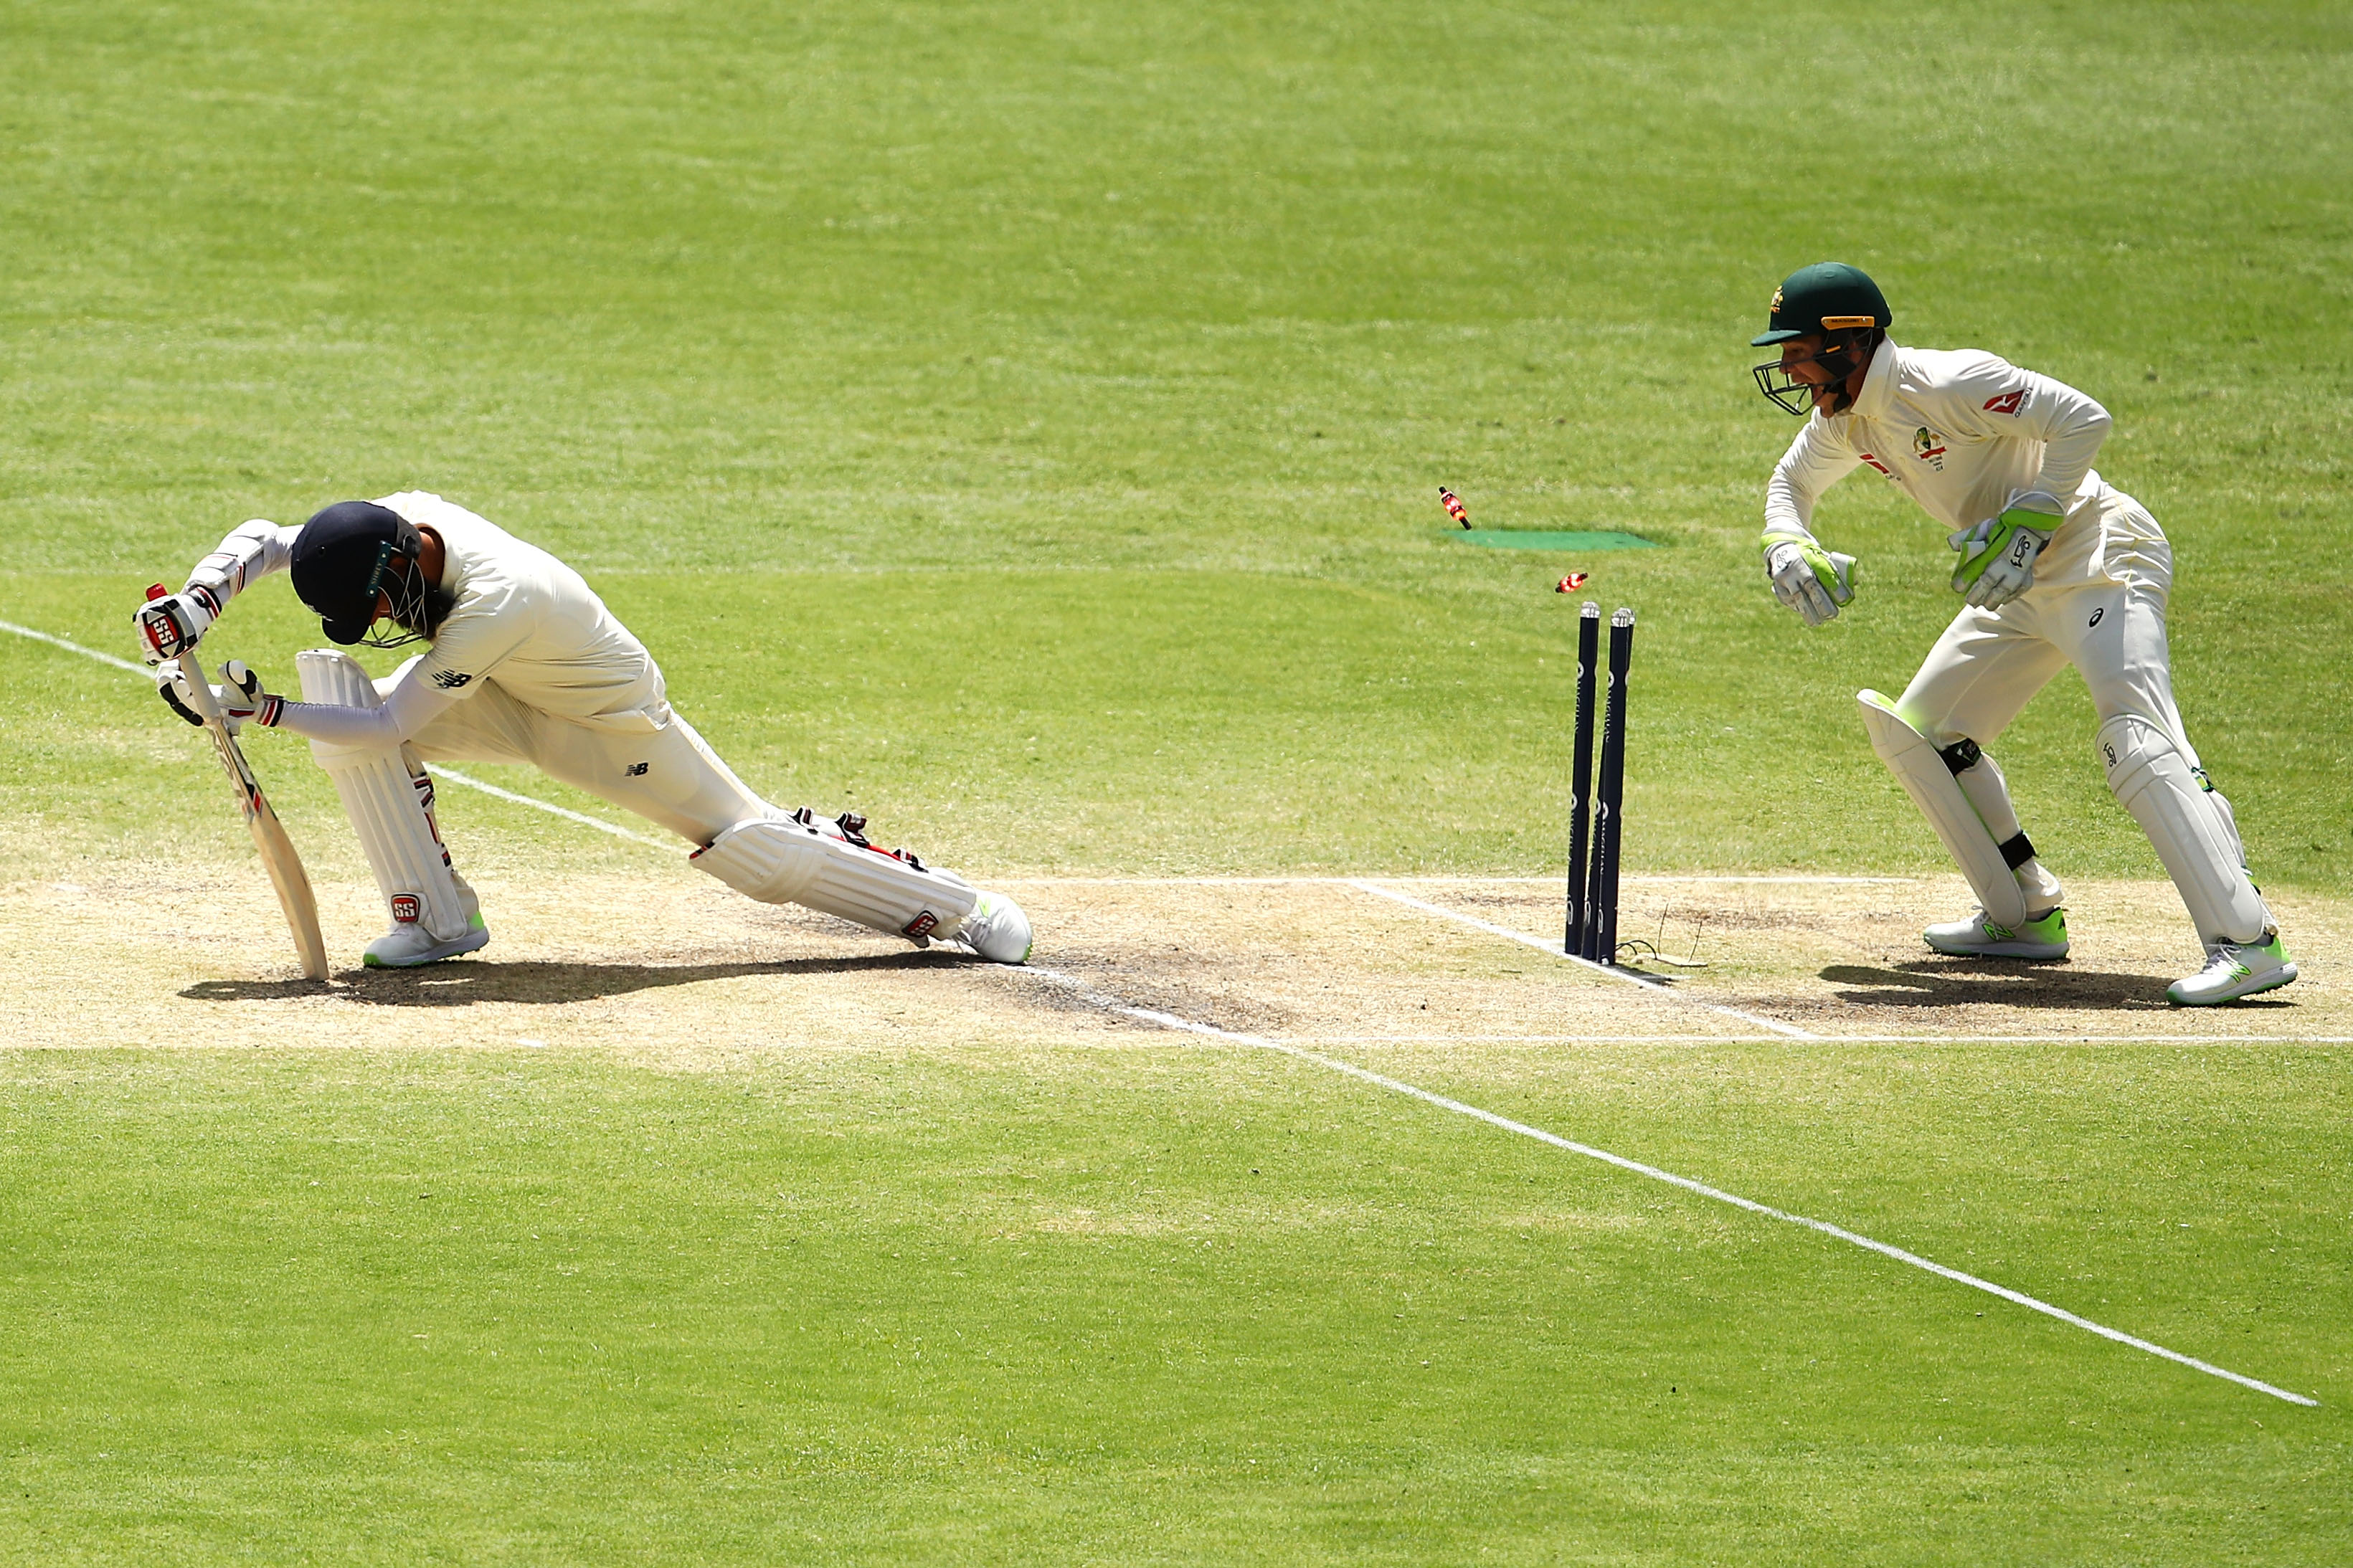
column 665, row 774
column 2097, row 603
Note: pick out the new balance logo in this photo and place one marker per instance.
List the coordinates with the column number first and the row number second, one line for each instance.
column 449, row 679
column 636, row 770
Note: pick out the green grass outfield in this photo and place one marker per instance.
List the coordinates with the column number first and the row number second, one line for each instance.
column 1025, row 424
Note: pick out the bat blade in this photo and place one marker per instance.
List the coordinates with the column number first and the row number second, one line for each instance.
column 292, row 883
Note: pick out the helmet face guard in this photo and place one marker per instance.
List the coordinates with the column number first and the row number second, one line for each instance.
column 417, row 606
column 1840, row 355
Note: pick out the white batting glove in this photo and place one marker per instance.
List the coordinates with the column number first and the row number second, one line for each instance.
column 169, row 626
column 1998, row 557
column 241, row 700
column 1811, row 580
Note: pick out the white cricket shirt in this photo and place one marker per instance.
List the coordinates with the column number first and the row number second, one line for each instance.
column 527, row 621
column 1964, row 434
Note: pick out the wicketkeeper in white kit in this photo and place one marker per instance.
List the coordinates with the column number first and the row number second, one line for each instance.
column 523, row 664
column 2056, row 568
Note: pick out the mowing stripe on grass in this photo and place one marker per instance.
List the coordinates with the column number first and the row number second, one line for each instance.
column 1398, row 1086
column 1655, row 986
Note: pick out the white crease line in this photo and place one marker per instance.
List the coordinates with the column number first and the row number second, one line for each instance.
column 452, row 775
column 72, row 648
column 1441, row 881
column 1830, row 1039
column 1655, row 987
column 582, row 818
column 1170, row 1021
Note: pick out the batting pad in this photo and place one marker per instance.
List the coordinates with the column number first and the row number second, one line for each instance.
column 1920, row 768
column 390, row 804
column 2191, row 827
column 815, row 865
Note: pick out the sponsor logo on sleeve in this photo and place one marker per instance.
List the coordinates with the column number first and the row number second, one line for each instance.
column 636, row 770
column 2008, row 402
column 449, row 679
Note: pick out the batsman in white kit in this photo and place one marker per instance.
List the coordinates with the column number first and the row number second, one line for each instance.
column 2055, row 567
column 523, row 664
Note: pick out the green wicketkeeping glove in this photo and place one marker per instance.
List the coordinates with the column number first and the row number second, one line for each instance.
column 1809, row 579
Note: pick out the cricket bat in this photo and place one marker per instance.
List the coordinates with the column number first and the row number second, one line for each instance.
column 277, row 857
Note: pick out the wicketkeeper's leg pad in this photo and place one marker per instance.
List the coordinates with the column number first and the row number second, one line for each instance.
column 389, row 798
column 807, row 860
column 1927, row 777
column 2189, row 823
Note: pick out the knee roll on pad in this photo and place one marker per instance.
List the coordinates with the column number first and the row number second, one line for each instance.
column 390, row 804
column 815, row 865
column 1929, row 780
column 2197, row 839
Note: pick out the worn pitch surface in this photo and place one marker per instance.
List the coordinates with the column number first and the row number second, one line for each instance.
column 675, row 965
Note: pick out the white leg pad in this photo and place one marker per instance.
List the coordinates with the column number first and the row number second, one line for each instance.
column 390, row 804
column 1920, row 768
column 813, row 863
column 2197, row 839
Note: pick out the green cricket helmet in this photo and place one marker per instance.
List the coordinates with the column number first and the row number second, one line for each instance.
column 1838, row 302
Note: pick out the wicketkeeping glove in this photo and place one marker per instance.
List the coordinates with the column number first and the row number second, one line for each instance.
column 1811, row 580
column 1997, row 556
column 170, row 623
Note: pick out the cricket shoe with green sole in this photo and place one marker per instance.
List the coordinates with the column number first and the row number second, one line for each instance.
column 2235, row 969
column 2043, row 937
column 408, row 946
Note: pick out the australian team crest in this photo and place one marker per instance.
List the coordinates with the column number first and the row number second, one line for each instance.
column 1929, row 448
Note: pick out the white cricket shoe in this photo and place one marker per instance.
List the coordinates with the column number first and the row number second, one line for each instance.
column 2044, row 937
column 406, row 946
column 996, row 930
column 2235, row 969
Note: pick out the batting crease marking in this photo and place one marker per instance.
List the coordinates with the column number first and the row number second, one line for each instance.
column 1655, row 987
column 1398, row 1086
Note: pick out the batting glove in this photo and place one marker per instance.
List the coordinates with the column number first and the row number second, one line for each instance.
column 169, row 626
column 1811, row 580
column 241, row 700
column 1997, row 556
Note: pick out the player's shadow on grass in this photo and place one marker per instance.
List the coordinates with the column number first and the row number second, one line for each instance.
column 464, row 984
column 1931, row 983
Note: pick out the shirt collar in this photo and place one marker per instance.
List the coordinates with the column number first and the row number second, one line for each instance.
column 1878, row 382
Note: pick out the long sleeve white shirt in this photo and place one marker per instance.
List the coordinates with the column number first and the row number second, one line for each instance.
column 522, row 619
column 1964, row 434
